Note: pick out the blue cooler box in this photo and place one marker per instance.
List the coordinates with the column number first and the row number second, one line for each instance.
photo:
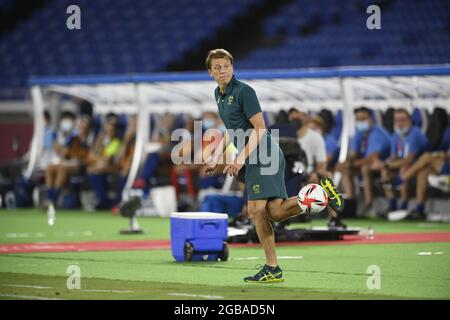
column 198, row 236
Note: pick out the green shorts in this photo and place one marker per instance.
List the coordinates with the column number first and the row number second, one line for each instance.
column 266, row 186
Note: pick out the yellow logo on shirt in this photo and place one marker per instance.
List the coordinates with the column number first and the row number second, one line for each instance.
column 256, row 188
column 230, row 100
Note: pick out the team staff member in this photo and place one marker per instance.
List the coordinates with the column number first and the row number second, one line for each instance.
column 267, row 197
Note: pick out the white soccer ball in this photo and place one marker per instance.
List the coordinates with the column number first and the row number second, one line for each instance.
column 312, row 198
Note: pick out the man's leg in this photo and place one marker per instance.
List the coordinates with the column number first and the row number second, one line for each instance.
column 423, row 162
column 386, row 177
column 64, row 172
column 279, row 209
column 367, row 179
column 270, row 272
column 404, row 193
column 264, row 230
column 347, row 183
column 50, row 177
column 421, row 191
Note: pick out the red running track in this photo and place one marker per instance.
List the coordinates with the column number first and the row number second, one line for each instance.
column 165, row 244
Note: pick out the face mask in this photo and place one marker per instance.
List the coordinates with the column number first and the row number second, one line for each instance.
column 222, row 128
column 208, row 124
column 401, row 131
column 362, row 126
column 316, row 130
column 66, row 125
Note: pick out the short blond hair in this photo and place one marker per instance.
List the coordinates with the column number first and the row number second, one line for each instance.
column 217, row 54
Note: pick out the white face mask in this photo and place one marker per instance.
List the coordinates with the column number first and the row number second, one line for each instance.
column 401, row 131
column 222, row 128
column 208, row 124
column 66, row 125
column 362, row 126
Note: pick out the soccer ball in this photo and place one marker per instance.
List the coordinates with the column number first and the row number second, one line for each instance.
column 312, row 198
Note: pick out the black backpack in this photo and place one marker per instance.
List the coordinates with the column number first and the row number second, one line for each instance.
column 293, row 154
column 437, row 124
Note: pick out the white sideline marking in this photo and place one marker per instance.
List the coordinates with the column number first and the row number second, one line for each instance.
column 85, row 290
column 17, row 235
column 430, row 253
column 86, row 233
column 194, row 295
column 290, row 257
column 25, row 286
column 114, row 291
column 280, row 258
column 28, row 297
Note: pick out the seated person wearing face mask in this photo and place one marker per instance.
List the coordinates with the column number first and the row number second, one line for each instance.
column 430, row 168
column 71, row 149
column 370, row 144
column 407, row 144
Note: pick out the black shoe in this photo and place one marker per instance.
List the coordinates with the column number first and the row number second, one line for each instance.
column 266, row 275
column 105, row 204
column 129, row 208
column 336, row 223
column 335, row 199
column 415, row 215
column 384, row 214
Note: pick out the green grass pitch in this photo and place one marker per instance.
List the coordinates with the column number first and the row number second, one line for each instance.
column 311, row 272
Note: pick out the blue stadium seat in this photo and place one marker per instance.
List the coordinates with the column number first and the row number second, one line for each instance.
column 114, row 38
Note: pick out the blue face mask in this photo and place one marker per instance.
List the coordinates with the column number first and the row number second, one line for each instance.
column 208, row 124
column 401, row 131
column 222, row 128
column 362, row 126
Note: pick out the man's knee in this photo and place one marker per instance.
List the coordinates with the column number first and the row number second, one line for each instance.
column 255, row 212
column 275, row 214
column 62, row 169
column 365, row 170
column 426, row 157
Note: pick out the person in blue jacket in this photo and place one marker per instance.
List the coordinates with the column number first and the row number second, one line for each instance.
column 408, row 143
column 369, row 145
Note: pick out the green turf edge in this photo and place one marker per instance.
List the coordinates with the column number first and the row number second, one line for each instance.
column 150, row 290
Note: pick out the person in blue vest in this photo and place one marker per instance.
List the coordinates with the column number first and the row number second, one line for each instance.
column 430, row 168
column 408, row 143
column 370, row 144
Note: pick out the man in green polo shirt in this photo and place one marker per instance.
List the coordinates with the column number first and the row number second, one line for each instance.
column 265, row 186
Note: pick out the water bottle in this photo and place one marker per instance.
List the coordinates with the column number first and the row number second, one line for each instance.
column 10, row 200
column 370, row 233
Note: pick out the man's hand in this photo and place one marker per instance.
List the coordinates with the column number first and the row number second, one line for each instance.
column 342, row 166
column 211, row 165
column 232, row 169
